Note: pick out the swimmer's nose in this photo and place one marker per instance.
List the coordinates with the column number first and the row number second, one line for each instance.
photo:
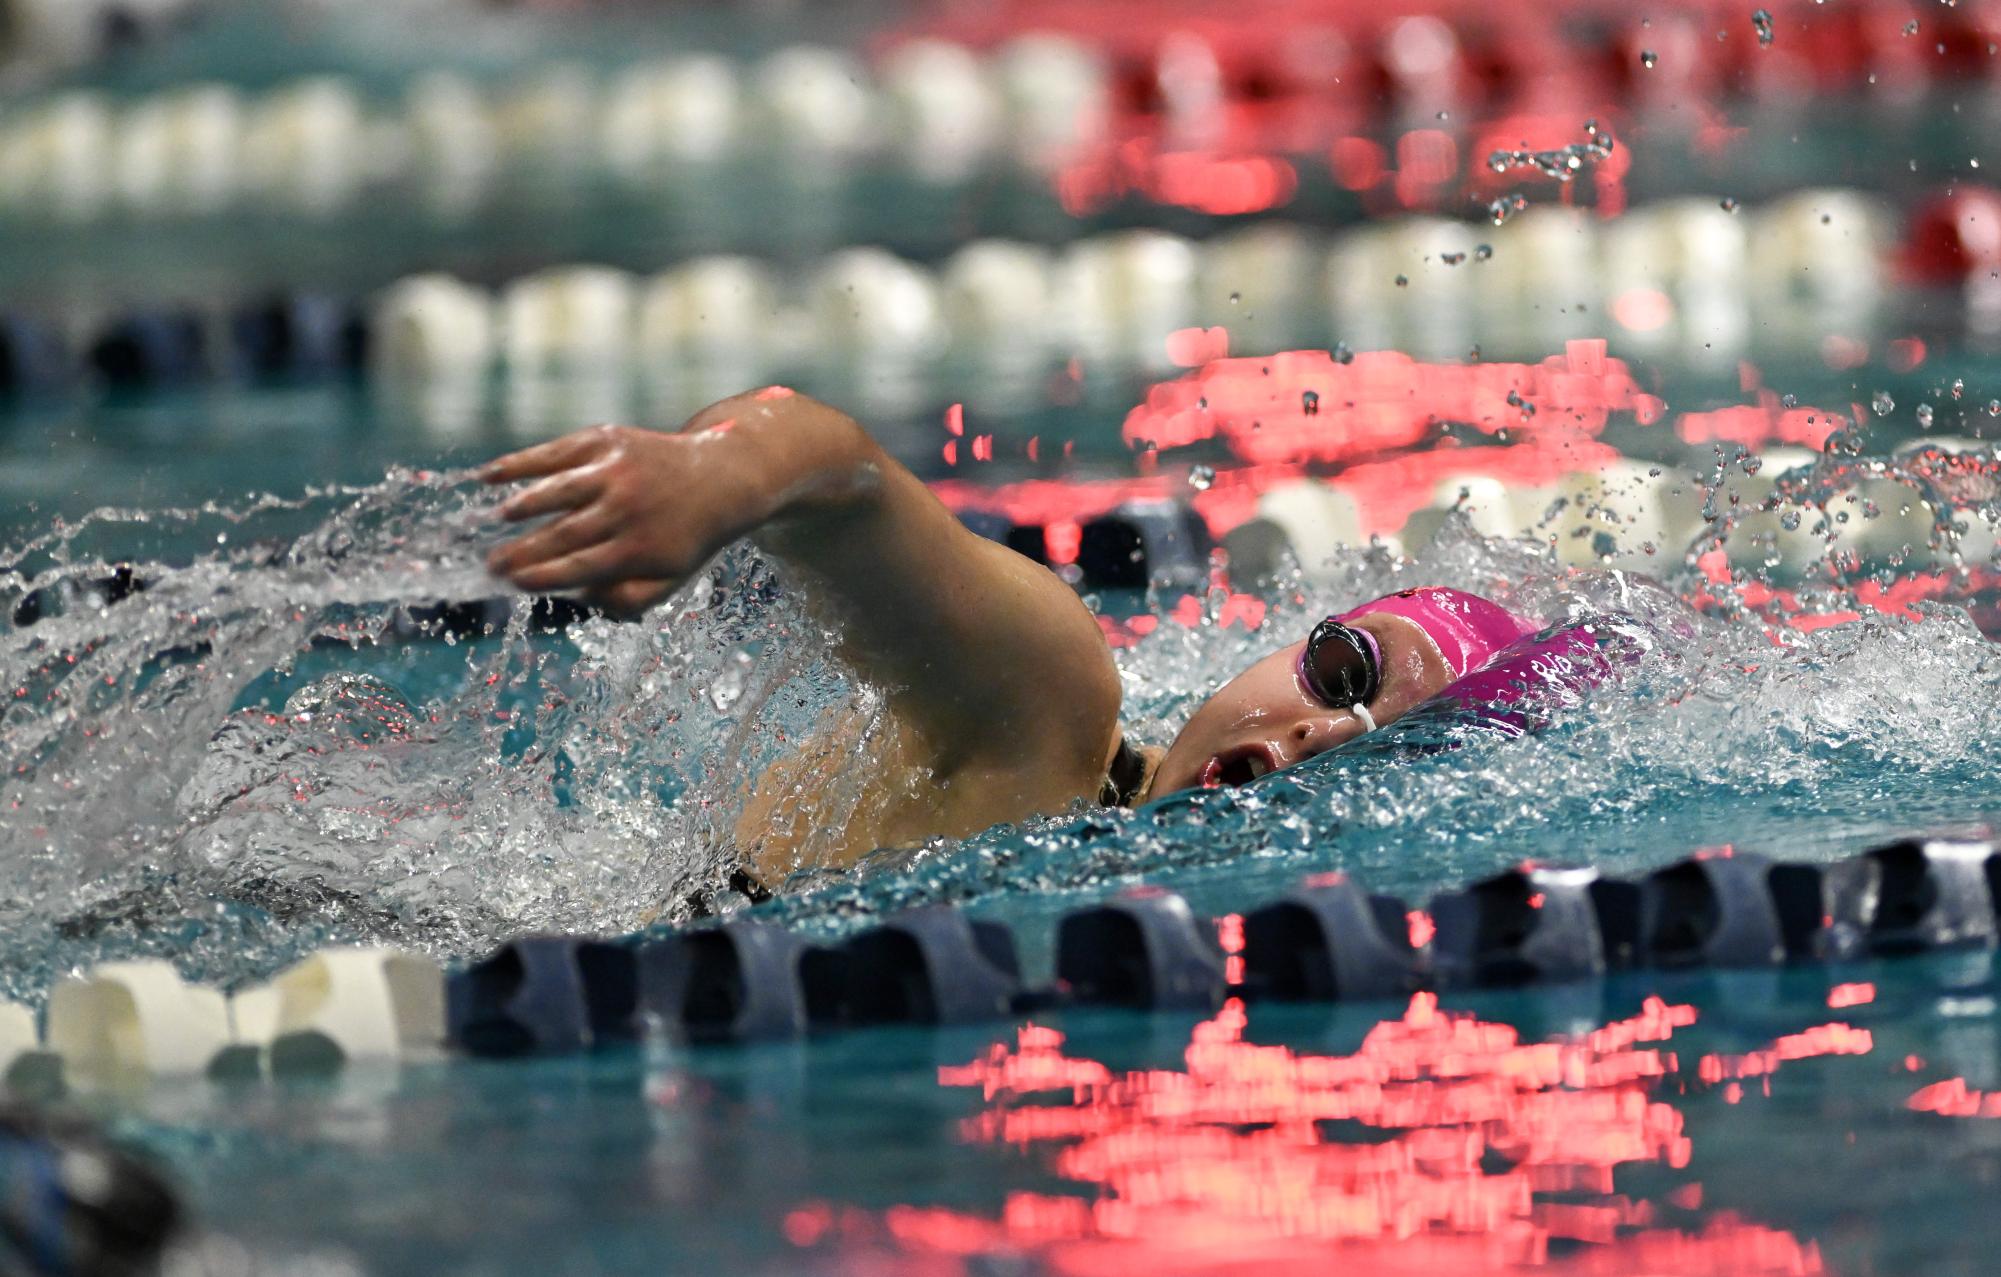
column 1318, row 733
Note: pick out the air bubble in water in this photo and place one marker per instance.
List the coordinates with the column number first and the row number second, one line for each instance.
column 1761, row 22
column 1452, row 259
column 1309, row 402
column 1994, row 407
column 1728, row 204
column 1403, row 281
column 1647, row 59
column 1925, row 416
column 1342, row 354
column 1483, row 252
column 1882, row 403
column 1202, row 478
column 1958, row 387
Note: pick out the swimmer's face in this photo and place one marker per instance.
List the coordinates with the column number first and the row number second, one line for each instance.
column 1263, row 719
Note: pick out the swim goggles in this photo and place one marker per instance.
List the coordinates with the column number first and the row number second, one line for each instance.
column 1341, row 666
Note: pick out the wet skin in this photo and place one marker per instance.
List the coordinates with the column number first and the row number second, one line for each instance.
column 1263, row 719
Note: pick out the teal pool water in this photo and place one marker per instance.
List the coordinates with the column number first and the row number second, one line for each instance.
column 1751, row 1128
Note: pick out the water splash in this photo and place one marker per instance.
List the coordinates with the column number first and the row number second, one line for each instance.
column 285, row 738
column 278, row 736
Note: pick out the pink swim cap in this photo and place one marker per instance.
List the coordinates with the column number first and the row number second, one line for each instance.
column 1467, row 629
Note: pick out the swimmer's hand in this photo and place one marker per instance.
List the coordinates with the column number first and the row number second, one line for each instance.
column 632, row 513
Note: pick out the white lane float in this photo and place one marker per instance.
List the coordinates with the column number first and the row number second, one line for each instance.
column 660, row 115
column 138, row 1018
column 433, row 326
column 1121, row 295
column 57, row 160
column 305, row 147
column 181, row 153
column 24, row 1065
column 945, row 113
column 452, row 148
column 1258, row 283
column 1058, row 98
column 1485, row 504
column 816, row 105
column 1318, row 521
column 344, row 1005
column 570, row 318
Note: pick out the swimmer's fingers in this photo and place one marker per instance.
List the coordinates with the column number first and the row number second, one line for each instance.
column 572, row 532
column 603, row 564
column 550, row 458
column 629, row 600
column 569, row 490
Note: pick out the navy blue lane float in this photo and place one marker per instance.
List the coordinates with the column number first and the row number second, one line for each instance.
column 1142, row 949
column 744, row 981
column 33, row 356
column 748, row 980
column 150, row 349
column 298, row 335
column 1160, row 543
column 1329, row 941
column 545, row 995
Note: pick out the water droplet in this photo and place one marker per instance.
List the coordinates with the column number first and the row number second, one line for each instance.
column 1235, row 298
column 1728, row 204
column 1911, row 27
column 1202, row 478
column 1483, row 252
column 1994, row 407
column 1790, row 520
column 1761, row 22
column 1506, row 207
column 728, row 687
column 1958, row 387
column 1342, row 354
column 1789, row 401
column 1924, row 416
column 1309, row 402
column 1452, row 259
column 1647, row 59
column 1403, row 281
column 1882, row 403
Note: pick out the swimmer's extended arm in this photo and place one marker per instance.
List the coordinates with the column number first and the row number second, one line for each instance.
column 992, row 658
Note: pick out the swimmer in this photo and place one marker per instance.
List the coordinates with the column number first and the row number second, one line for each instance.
column 1003, row 698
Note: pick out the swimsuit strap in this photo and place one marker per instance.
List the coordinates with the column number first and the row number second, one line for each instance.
column 1126, row 777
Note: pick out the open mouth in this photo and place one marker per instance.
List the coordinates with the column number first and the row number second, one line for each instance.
column 1238, row 767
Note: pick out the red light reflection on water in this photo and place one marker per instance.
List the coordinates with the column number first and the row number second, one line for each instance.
column 1443, row 1142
